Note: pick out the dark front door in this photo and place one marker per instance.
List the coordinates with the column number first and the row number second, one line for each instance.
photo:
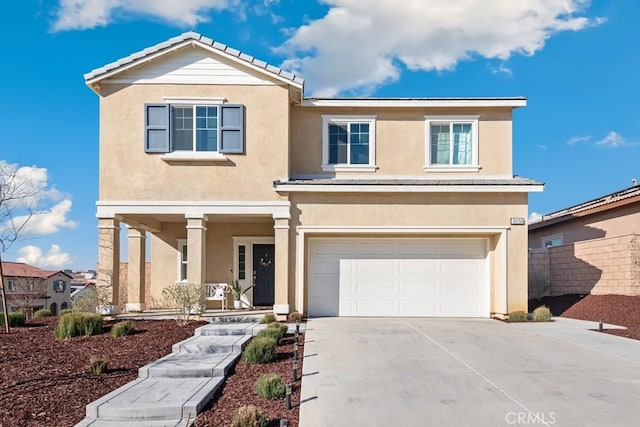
column 263, row 270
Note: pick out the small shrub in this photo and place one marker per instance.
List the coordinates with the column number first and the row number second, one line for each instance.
column 92, row 324
column 16, row 319
column 542, row 314
column 294, row 316
column 97, row 365
column 260, row 350
column 281, row 327
column 65, row 311
column 76, row 324
column 518, row 316
column 185, row 299
column 270, row 333
column 269, row 318
column 270, row 386
column 120, row 329
column 42, row 313
column 249, row 416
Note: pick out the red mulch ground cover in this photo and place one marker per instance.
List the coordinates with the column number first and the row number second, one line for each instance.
column 615, row 309
column 44, row 381
column 239, row 389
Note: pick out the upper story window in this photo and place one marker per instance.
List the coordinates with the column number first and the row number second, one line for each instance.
column 555, row 240
column 452, row 142
column 12, row 285
column 348, row 143
column 194, row 129
column 59, row 285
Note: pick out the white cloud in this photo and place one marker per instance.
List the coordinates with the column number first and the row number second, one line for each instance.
column 501, row 69
column 84, row 14
column 358, row 45
column 577, row 139
column 612, row 140
column 534, row 217
column 48, row 221
column 54, row 258
column 543, row 146
column 34, row 213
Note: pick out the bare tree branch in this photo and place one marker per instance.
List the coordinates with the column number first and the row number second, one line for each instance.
column 19, row 198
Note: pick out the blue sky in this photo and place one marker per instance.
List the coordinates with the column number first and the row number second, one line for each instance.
column 576, row 61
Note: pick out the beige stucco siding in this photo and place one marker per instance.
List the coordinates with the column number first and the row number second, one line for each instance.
column 427, row 210
column 219, row 251
column 128, row 173
column 401, row 139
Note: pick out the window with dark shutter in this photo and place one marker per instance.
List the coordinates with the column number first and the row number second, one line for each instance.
column 232, row 128
column 196, row 128
column 156, row 128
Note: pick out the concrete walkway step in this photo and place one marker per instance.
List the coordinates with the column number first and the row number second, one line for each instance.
column 148, row 399
column 212, row 344
column 190, row 365
column 227, row 329
column 176, row 387
column 147, row 423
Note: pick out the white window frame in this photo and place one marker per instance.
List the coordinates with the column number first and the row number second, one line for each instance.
column 194, row 155
column 181, row 244
column 345, row 167
column 551, row 238
column 462, row 119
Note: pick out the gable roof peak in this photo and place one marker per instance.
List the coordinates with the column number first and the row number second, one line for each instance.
column 94, row 77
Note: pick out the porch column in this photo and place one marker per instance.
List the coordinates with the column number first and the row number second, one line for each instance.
column 196, row 248
column 281, row 239
column 108, row 276
column 136, row 269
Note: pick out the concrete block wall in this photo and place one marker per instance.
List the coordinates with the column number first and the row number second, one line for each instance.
column 600, row 266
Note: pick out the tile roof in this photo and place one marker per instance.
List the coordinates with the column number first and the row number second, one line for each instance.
column 416, row 182
column 20, row 269
column 193, row 36
column 609, row 201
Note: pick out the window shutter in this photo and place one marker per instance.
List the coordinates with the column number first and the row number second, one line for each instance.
column 231, row 128
column 156, row 128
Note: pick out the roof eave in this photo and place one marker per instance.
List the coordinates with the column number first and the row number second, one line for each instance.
column 352, row 188
column 93, row 78
column 514, row 102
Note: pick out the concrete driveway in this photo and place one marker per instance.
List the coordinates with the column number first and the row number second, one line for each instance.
column 462, row 372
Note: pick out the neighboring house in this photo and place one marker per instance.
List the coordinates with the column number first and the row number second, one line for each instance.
column 592, row 247
column 30, row 289
column 332, row 207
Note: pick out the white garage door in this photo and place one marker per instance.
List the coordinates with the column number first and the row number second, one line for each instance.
column 398, row 277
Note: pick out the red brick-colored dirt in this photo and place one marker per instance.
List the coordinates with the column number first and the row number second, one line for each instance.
column 615, row 309
column 44, row 381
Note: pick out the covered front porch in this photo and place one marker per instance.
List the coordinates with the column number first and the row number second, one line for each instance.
column 199, row 243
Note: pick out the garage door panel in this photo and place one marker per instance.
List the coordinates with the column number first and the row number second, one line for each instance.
column 417, row 267
column 459, row 291
column 422, row 289
column 398, row 277
column 418, row 308
column 383, row 289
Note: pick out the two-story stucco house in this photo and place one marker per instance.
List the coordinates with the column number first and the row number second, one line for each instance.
column 30, row 288
column 331, row 207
